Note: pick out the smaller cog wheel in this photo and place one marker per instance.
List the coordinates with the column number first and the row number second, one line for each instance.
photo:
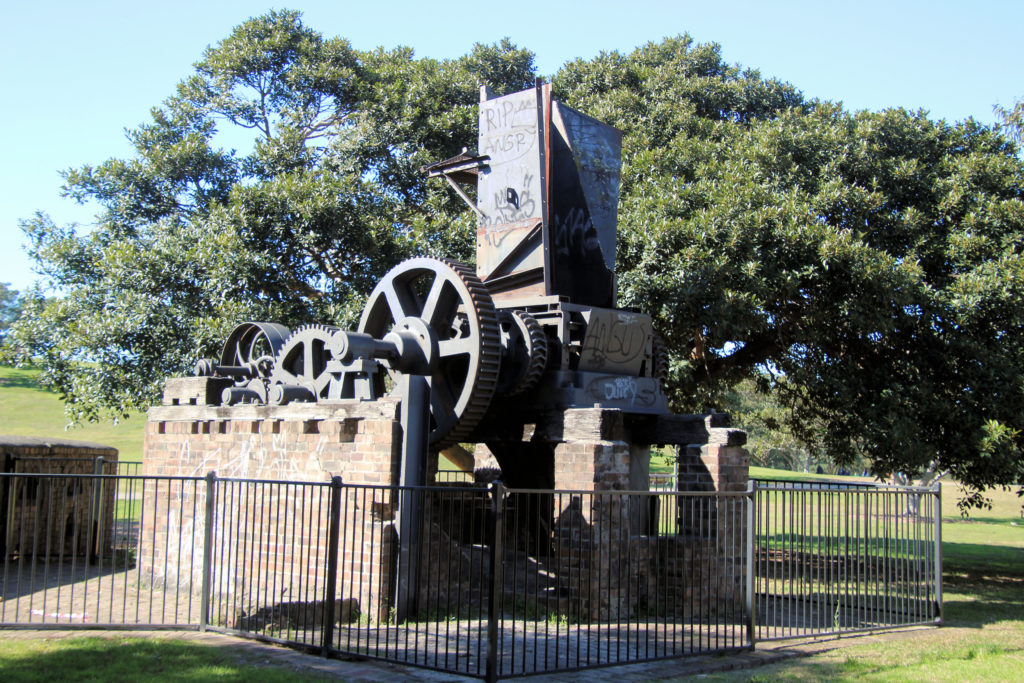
column 302, row 360
column 524, row 353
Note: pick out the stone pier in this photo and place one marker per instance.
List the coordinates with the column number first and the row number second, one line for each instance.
column 609, row 549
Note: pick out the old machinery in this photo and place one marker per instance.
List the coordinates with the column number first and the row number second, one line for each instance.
column 534, row 325
column 534, row 328
column 459, row 312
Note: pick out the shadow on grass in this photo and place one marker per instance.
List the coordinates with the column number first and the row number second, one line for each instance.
column 16, row 379
column 979, row 559
column 992, row 575
column 128, row 659
column 987, row 661
column 1000, row 521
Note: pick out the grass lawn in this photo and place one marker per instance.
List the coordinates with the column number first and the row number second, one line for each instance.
column 983, row 635
column 26, row 409
column 157, row 658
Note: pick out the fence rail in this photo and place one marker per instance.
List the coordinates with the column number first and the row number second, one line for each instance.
column 505, row 582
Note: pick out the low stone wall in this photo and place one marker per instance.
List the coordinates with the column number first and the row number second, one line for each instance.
column 53, row 516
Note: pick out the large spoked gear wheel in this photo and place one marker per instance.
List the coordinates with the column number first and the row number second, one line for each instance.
column 453, row 302
column 525, row 352
column 302, row 361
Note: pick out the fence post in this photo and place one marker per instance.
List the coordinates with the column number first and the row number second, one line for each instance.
column 751, row 501
column 494, row 590
column 331, row 588
column 92, row 528
column 5, row 489
column 211, row 495
column 675, row 468
column 938, row 553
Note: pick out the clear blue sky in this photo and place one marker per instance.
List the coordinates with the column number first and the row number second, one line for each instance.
column 75, row 74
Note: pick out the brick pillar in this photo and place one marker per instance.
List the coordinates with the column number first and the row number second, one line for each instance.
column 718, row 524
column 721, row 464
column 596, row 533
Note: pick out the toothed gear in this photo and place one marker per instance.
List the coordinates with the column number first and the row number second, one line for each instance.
column 302, row 360
column 659, row 358
column 450, row 298
column 525, row 352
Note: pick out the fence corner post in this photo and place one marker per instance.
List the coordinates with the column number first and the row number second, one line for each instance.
column 331, row 583
column 497, row 490
column 211, row 506
column 938, row 553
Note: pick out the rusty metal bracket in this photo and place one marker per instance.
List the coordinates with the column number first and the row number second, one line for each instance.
column 461, row 168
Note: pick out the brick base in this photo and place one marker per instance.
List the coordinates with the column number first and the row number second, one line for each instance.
column 358, row 441
column 608, row 547
column 609, row 550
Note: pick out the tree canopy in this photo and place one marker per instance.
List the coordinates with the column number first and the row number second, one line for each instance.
column 865, row 267
column 9, row 307
column 1012, row 120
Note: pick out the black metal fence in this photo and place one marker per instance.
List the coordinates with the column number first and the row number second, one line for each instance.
column 835, row 557
column 72, row 550
column 487, row 582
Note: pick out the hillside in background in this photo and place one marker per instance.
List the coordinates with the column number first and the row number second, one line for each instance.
column 26, row 409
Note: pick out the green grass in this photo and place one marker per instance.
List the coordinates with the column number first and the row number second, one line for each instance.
column 26, row 409
column 128, row 508
column 661, row 460
column 789, row 475
column 983, row 635
column 157, row 658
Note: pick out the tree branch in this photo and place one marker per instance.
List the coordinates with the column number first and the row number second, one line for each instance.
column 752, row 352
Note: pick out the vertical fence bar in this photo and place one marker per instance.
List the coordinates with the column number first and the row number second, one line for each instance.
column 91, row 521
column 494, row 590
column 938, row 553
column 331, row 580
column 204, row 609
column 748, row 543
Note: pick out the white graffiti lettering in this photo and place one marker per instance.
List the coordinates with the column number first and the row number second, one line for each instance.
column 621, row 388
